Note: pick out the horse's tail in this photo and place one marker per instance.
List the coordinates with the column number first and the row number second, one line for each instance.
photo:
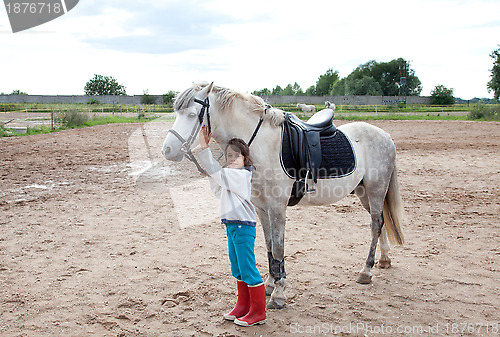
column 394, row 211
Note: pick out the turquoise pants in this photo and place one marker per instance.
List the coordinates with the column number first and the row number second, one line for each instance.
column 241, row 243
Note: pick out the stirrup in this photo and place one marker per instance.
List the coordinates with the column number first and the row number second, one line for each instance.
column 313, row 189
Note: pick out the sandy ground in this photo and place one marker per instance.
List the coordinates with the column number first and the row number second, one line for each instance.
column 91, row 243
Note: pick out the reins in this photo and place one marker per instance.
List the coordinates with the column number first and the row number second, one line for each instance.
column 186, row 144
column 255, row 131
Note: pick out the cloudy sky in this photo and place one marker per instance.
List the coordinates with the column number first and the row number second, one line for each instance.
column 166, row 45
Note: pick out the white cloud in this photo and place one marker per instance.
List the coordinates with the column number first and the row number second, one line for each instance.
column 165, row 45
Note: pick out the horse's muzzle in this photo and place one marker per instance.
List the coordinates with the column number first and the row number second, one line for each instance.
column 172, row 154
column 169, row 155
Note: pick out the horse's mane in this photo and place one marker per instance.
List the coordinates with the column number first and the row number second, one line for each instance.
column 225, row 98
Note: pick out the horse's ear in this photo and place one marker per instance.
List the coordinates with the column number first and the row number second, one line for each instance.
column 206, row 91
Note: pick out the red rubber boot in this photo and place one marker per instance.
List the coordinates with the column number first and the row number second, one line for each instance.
column 242, row 304
column 257, row 313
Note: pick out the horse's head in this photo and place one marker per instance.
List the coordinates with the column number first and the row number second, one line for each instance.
column 190, row 115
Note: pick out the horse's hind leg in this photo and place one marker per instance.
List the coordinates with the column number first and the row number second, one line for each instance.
column 384, row 261
column 365, row 275
column 375, row 198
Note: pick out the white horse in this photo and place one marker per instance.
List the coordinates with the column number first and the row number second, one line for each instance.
column 234, row 114
column 329, row 105
column 306, row 108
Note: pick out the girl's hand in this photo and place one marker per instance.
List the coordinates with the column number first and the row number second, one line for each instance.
column 204, row 137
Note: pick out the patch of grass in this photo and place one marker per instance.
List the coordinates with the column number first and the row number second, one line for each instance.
column 98, row 120
column 6, row 107
column 73, row 118
column 102, row 120
column 41, row 130
column 352, row 117
column 4, row 132
column 92, row 106
column 490, row 112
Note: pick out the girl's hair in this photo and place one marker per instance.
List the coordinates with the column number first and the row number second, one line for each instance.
column 239, row 145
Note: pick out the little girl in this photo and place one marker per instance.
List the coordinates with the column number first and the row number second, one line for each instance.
column 233, row 185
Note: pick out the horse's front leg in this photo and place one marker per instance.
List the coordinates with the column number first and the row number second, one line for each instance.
column 266, row 227
column 272, row 213
column 277, row 258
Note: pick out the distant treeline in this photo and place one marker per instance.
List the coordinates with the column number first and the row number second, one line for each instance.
column 370, row 79
column 476, row 100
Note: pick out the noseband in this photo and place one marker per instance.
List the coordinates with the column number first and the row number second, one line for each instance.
column 186, row 144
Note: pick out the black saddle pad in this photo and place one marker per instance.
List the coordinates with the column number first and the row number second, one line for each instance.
column 337, row 156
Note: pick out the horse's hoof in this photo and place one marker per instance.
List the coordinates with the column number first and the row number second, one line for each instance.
column 364, row 278
column 269, row 291
column 275, row 304
column 269, row 286
column 384, row 264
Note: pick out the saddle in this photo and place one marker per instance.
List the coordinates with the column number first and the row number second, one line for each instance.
column 302, row 156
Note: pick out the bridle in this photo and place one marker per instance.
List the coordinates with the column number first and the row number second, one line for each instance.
column 186, row 144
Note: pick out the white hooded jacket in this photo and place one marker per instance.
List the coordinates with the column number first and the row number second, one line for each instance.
column 233, row 187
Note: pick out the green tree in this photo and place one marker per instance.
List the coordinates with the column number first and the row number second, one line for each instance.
column 441, row 95
column 386, row 74
column 366, row 85
column 168, row 98
column 103, row 85
column 297, row 90
column 325, row 82
column 494, row 83
column 287, row 91
column 262, row 92
column 147, row 98
column 311, row 91
column 339, row 88
column 18, row 92
column 277, row 91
